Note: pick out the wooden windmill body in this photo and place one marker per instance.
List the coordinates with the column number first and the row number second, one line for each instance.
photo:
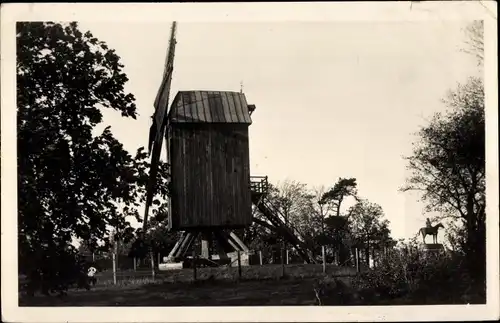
column 208, row 153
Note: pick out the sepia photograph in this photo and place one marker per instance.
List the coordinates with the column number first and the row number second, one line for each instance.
column 195, row 163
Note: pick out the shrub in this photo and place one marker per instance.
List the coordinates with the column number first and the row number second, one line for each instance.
column 330, row 290
column 419, row 276
column 53, row 270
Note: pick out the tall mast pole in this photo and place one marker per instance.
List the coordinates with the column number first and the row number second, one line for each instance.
column 157, row 130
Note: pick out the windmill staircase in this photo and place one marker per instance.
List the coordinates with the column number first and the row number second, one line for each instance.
column 276, row 221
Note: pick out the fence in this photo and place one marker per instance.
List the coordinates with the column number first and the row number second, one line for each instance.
column 113, row 268
column 122, row 270
column 261, row 264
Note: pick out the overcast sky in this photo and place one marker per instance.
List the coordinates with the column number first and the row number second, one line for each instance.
column 334, row 99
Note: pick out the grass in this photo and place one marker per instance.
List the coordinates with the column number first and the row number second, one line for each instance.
column 259, row 286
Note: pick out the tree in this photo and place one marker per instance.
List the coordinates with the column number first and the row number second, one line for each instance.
column 320, row 208
column 334, row 223
column 84, row 249
column 291, row 198
column 157, row 239
column 448, row 166
column 293, row 201
column 455, row 236
column 71, row 183
column 342, row 189
column 121, row 242
column 474, row 33
column 368, row 227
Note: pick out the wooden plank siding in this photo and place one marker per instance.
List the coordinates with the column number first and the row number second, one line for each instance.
column 209, row 160
column 210, row 168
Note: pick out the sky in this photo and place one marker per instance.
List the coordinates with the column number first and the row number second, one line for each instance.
column 333, row 99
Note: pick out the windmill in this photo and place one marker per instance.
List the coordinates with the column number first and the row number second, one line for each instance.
column 157, row 130
column 211, row 191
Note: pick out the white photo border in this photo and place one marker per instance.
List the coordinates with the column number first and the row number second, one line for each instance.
column 236, row 12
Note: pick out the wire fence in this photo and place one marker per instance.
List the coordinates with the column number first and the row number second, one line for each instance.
column 106, row 261
column 113, row 267
column 269, row 263
column 120, row 270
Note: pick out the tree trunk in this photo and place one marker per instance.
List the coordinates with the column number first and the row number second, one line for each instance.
column 476, row 249
column 322, row 224
column 338, row 208
column 476, row 240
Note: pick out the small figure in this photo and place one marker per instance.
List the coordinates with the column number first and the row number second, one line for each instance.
column 428, row 223
column 91, row 275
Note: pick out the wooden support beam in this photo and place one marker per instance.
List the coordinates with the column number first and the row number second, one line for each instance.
column 177, row 246
column 239, row 264
column 205, row 245
column 224, row 237
column 189, row 243
column 182, row 246
column 186, row 244
column 265, row 224
column 240, row 243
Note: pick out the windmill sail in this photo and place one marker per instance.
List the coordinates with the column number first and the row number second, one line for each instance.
column 157, row 130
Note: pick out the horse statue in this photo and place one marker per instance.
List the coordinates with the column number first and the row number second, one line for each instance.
column 431, row 230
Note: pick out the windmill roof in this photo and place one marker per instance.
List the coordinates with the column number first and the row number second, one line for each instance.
column 210, row 107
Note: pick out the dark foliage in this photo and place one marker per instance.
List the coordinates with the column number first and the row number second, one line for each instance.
column 419, row 277
column 448, row 166
column 72, row 184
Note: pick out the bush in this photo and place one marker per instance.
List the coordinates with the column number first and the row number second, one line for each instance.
column 52, row 270
column 330, row 290
column 421, row 277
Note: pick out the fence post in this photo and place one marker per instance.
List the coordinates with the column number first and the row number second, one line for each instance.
column 282, row 262
column 323, row 253
column 114, row 268
column 194, row 265
column 159, row 255
column 239, row 264
column 93, row 257
column 135, row 264
column 287, row 258
column 260, row 257
column 357, row 260
column 116, row 249
column 151, row 255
